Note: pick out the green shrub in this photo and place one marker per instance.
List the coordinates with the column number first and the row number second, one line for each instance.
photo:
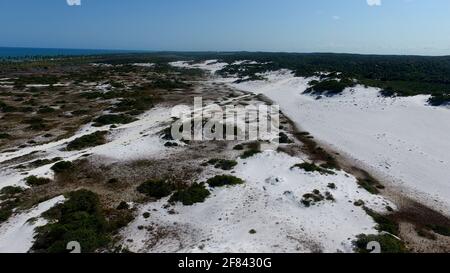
column 112, row 119
column 78, row 219
column 312, row 198
column 62, row 166
column 329, row 87
column 5, row 136
column 383, row 222
column 11, row 190
column 311, row 167
column 439, row 99
column 239, row 147
column 36, row 123
column 425, row 234
column 223, row 164
column 389, row 244
column 35, row 181
column 46, row 110
column 156, row 188
column 92, row 140
column 250, row 153
column 224, row 180
column 196, row 193
column 284, row 139
column 123, row 206
column 370, row 185
column 42, row 162
column 441, row 230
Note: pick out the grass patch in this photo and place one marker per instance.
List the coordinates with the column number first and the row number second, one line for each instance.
column 389, row 244
column 156, row 188
column 311, row 167
column 34, row 181
column 196, row 193
column 224, row 180
column 92, row 140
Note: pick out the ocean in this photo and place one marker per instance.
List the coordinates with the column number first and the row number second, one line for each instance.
column 22, row 52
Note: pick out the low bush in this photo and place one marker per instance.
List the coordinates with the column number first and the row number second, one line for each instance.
column 329, row 87
column 311, row 167
column 196, row 193
column 439, row 99
column 5, row 136
column 62, row 166
column 370, row 185
column 35, row 181
column 46, row 110
column 383, row 222
column 123, row 206
column 224, row 180
column 112, row 119
column 11, row 190
column 92, row 140
column 223, row 164
column 388, row 243
column 78, row 219
column 156, row 188
column 312, row 198
column 441, row 230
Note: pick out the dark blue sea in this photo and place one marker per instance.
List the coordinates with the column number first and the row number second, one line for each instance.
column 22, row 52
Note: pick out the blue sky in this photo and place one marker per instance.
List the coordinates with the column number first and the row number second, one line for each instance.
column 385, row 27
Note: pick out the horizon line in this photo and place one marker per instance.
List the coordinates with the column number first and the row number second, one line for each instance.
column 225, row 51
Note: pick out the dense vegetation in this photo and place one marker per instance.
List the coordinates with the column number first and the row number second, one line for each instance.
column 311, row 167
column 403, row 75
column 196, row 193
column 156, row 188
column 91, row 140
column 224, row 180
column 388, row 243
column 329, row 87
column 78, row 219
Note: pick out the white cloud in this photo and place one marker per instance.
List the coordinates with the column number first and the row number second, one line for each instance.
column 74, row 2
column 374, row 2
column 335, row 17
